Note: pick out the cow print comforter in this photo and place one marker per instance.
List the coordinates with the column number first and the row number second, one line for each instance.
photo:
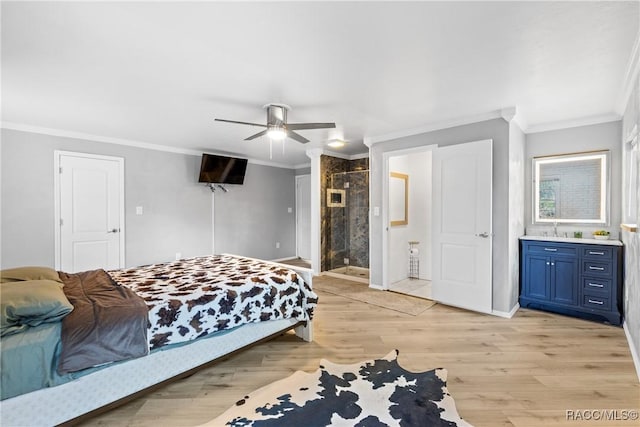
column 194, row 297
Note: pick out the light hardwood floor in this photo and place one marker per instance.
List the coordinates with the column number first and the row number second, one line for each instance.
column 524, row 371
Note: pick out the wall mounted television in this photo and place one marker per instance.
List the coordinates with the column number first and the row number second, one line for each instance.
column 216, row 169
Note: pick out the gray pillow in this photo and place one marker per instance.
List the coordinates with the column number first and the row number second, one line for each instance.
column 29, row 273
column 31, row 303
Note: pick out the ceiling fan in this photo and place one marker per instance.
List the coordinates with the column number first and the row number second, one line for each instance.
column 277, row 126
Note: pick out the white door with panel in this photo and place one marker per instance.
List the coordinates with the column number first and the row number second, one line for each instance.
column 462, row 214
column 303, row 216
column 90, row 212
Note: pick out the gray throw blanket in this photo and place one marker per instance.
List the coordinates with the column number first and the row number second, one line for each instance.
column 108, row 323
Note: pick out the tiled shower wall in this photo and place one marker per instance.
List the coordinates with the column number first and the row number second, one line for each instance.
column 344, row 230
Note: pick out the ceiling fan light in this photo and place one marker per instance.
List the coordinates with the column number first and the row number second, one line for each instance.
column 336, row 143
column 277, row 133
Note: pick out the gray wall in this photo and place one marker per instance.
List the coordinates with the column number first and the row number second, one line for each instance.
column 177, row 210
column 303, row 171
column 604, row 136
column 504, row 290
column 252, row 217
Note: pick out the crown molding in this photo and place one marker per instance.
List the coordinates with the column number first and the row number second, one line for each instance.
column 566, row 124
column 630, row 77
column 317, row 152
column 302, row 165
column 369, row 141
column 508, row 113
column 359, row 156
column 127, row 142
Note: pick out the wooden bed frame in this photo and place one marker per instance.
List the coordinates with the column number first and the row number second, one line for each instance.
column 119, row 383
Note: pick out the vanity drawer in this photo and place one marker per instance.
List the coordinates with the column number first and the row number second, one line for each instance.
column 597, row 302
column 596, row 284
column 596, row 268
column 597, row 253
column 552, row 249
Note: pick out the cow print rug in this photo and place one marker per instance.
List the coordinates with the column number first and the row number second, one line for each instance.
column 366, row 394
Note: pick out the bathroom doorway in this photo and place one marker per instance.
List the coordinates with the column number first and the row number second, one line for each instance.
column 409, row 222
column 459, row 236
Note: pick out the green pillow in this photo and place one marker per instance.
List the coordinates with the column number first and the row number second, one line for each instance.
column 29, row 273
column 31, row 303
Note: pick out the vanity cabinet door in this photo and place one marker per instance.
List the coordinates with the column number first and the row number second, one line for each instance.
column 564, row 280
column 537, row 283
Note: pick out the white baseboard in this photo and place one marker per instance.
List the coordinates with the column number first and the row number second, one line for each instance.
column 284, row 259
column 346, row 277
column 506, row 315
column 634, row 353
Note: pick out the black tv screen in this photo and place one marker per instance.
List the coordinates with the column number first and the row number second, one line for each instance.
column 222, row 170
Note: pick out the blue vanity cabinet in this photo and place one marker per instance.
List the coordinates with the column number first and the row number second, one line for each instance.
column 577, row 279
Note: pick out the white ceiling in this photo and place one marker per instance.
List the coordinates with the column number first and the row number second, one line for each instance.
column 159, row 73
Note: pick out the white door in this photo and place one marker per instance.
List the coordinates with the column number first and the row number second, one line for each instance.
column 90, row 212
column 462, row 237
column 303, row 216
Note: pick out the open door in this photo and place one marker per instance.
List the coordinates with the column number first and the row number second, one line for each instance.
column 462, row 237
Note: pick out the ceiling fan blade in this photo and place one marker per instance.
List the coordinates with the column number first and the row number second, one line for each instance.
column 257, row 135
column 241, row 123
column 291, row 134
column 302, row 126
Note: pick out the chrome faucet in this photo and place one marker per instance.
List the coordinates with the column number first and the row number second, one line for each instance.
column 555, row 228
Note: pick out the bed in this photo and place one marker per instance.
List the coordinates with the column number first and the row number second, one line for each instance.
column 195, row 311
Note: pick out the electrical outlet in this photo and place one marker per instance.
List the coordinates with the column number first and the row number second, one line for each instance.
column 178, row 255
column 139, row 210
column 290, row 210
column 277, row 245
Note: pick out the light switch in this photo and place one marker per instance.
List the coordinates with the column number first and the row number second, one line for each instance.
column 376, row 211
column 139, row 210
column 290, row 210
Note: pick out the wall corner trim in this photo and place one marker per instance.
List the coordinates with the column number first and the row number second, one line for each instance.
column 506, row 315
column 632, row 347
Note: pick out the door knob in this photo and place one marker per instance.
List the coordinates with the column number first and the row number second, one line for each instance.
column 113, row 230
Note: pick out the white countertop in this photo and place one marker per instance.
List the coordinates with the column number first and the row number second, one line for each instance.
column 610, row 242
